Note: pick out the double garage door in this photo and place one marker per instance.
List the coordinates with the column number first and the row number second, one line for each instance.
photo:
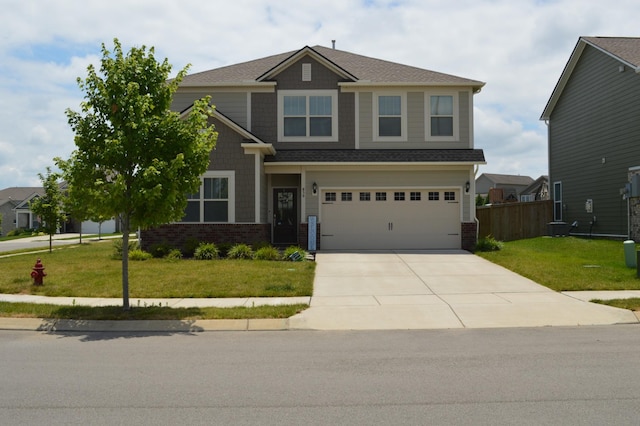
column 368, row 219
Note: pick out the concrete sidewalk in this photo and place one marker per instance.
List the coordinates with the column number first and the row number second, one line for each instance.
column 380, row 291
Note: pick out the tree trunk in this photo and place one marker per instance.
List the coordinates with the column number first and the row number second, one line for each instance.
column 50, row 243
column 125, row 263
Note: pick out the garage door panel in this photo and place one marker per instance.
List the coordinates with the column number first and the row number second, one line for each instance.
column 406, row 219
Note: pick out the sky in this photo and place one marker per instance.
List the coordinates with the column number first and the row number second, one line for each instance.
column 517, row 47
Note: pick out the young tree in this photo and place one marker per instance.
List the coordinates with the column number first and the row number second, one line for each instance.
column 50, row 206
column 135, row 159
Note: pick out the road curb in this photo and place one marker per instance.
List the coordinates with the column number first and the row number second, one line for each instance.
column 139, row 326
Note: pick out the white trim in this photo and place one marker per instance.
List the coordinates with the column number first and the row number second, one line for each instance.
column 307, row 93
column 357, row 118
column 231, row 200
column 257, row 187
column 556, row 219
column 427, row 116
column 249, row 111
column 403, row 117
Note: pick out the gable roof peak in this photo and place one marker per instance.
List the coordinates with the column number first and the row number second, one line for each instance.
column 352, row 67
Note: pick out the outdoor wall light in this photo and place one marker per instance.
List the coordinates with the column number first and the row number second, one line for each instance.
column 467, row 186
column 314, row 188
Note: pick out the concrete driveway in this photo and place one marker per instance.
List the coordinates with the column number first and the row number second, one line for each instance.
column 436, row 289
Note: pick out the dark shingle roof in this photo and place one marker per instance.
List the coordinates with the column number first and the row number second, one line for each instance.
column 363, row 68
column 624, row 48
column 377, row 156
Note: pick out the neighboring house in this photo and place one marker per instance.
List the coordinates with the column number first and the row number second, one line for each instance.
column 15, row 211
column 14, row 208
column 537, row 191
column 593, row 119
column 368, row 153
column 509, row 187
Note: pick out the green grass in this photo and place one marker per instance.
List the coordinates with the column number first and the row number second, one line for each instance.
column 571, row 264
column 88, row 270
column 568, row 264
column 84, row 313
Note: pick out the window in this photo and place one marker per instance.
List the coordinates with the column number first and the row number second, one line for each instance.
column 389, row 117
column 557, row 201
column 449, row 196
column 381, row 196
column 442, row 117
column 365, row 196
column 308, row 115
column 346, row 196
column 214, row 200
column 434, row 196
column 415, row 196
column 398, row 196
column 330, row 196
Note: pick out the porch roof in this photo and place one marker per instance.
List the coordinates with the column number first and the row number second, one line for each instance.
column 466, row 156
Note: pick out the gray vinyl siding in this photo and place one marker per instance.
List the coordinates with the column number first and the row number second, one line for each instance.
column 229, row 155
column 231, row 104
column 594, row 132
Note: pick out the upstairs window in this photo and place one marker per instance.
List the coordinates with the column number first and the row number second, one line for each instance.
column 307, row 115
column 442, row 117
column 389, row 117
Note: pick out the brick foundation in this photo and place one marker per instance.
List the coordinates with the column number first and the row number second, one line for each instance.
column 176, row 234
column 469, row 236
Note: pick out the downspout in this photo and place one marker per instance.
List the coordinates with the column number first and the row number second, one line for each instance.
column 473, row 201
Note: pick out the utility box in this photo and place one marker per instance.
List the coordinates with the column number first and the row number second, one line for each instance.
column 630, row 255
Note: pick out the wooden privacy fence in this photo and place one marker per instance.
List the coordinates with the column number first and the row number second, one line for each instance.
column 514, row 221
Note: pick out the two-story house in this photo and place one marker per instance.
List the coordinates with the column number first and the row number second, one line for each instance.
column 593, row 118
column 329, row 147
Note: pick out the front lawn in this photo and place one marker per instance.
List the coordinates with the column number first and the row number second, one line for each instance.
column 88, row 270
column 571, row 264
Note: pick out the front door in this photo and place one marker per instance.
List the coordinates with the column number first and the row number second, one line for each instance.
column 285, row 216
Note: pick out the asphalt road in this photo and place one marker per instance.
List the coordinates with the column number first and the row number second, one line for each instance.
column 585, row 375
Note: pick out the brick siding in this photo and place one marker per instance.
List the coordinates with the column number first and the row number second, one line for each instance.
column 177, row 234
column 469, row 232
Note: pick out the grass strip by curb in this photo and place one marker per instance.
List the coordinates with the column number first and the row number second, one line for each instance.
column 34, row 310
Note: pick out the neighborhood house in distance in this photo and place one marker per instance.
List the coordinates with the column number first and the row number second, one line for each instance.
column 16, row 214
column 593, row 119
column 356, row 152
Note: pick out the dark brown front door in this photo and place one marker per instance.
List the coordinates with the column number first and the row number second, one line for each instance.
column 285, row 216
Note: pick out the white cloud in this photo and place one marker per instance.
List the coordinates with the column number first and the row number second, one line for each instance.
column 518, row 48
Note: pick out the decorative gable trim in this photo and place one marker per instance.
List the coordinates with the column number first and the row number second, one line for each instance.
column 306, row 51
column 256, row 143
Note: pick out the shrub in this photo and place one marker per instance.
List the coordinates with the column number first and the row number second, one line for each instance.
column 240, row 251
column 174, row 254
column 189, row 247
column 206, row 251
column 289, row 253
column 260, row 244
column 488, row 243
column 139, row 255
column 224, row 248
column 15, row 232
column 117, row 247
column 160, row 250
column 268, row 253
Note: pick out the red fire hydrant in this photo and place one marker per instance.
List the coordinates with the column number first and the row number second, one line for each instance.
column 38, row 273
